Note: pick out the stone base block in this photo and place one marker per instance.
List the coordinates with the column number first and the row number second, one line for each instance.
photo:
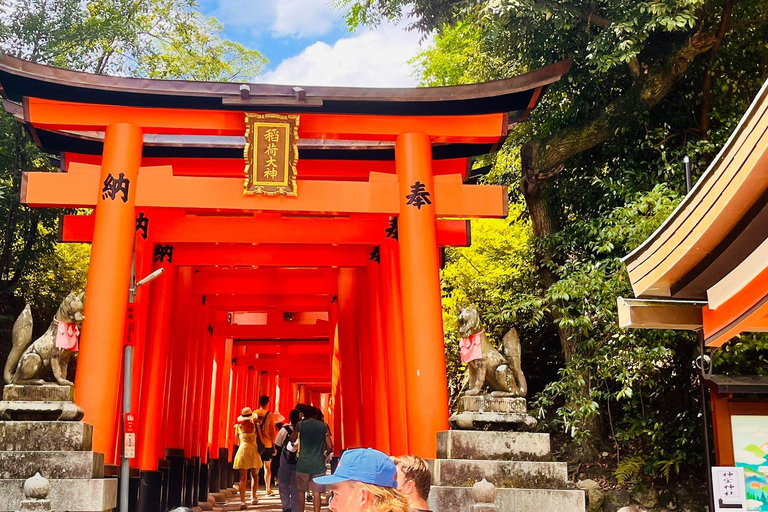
column 451, row 499
column 73, row 495
column 42, row 393
column 490, row 403
column 476, row 444
column 40, row 411
column 492, row 420
column 51, row 465
column 219, row 497
column 517, row 474
column 45, row 436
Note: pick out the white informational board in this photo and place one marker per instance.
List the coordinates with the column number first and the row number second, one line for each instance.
column 130, row 445
column 728, row 486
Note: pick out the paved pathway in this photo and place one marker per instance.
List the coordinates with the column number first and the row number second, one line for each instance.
column 266, row 503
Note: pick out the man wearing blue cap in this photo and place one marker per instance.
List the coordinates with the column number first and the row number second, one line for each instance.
column 365, row 481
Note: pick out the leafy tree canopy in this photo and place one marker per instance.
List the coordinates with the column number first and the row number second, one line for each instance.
column 598, row 167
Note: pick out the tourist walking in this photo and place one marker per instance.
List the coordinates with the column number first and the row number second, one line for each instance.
column 413, row 481
column 286, row 472
column 247, row 456
column 314, row 438
column 268, row 434
column 364, row 481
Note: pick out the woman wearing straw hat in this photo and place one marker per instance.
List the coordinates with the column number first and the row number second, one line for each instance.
column 247, row 456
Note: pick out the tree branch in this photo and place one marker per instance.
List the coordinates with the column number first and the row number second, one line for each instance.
column 747, row 23
column 589, row 16
column 550, row 154
column 706, row 83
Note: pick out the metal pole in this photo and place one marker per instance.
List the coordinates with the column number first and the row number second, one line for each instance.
column 125, row 468
column 688, row 184
column 705, row 421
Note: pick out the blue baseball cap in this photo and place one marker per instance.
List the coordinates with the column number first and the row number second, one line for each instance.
column 363, row 465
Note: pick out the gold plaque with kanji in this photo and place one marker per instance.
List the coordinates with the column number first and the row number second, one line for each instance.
column 271, row 153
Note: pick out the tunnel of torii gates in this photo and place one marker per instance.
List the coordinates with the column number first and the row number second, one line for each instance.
column 329, row 294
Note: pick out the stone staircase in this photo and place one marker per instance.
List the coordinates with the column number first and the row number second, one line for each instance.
column 517, row 463
column 61, row 452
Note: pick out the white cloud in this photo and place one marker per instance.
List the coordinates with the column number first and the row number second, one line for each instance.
column 286, row 18
column 749, row 458
column 758, row 431
column 371, row 58
column 304, row 18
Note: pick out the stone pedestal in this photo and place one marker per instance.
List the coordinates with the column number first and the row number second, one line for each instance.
column 46, row 402
column 517, row 463
column 492, row 412
column 61, row 452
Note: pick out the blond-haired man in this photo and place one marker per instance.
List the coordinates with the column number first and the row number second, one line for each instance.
column 414, row 481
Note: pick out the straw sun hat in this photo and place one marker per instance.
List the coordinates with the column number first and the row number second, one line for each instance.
column 246, row 415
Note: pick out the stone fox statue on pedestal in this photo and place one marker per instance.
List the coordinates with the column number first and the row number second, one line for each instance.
column 486, row 364
column 33, row 362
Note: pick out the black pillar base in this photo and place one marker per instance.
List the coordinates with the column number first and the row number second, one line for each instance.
column 177, row 477
column 150, row 491
column 202, row 483
column 190, row 486
column 224, row 468
column 133, row 490
column 214, row 476
column 164, row 466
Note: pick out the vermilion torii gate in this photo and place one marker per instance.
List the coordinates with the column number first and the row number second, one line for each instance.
column 330, row 296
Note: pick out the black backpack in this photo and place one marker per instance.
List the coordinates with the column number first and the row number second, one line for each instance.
column 290, row 457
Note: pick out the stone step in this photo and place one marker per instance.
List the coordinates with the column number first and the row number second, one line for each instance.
column 452, row 499
column 517, row 474
column 52, row 464
column 78, row 495
column 45, row 436
column 475, row 444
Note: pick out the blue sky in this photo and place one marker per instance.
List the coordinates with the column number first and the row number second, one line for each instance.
column 307, row 43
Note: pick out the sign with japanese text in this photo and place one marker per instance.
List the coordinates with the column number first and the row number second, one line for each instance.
column 129, row 449
column 728, row 486
column 271, row 154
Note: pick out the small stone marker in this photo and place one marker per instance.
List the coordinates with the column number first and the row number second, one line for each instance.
column 484, row 493
column 36, row 491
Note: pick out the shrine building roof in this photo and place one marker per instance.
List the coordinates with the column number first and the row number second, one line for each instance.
column 516, row 96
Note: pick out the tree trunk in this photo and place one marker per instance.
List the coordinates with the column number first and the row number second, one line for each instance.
column 543, row 159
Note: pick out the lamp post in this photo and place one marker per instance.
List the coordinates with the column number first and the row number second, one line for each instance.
column 125, row 470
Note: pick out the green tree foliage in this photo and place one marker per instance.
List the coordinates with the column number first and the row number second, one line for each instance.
column 144, row 38
column 599, row 166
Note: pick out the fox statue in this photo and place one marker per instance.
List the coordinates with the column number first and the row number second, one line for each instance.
column 34, row 362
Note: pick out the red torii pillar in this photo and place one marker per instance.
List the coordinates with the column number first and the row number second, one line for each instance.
column 143, row 260
column 157, row 364
column 378, row 359
column 101, row 354
column 174, row 426
column 425, row 377
column 204, row 407
column 335, row 421
column 351, row 403
column 221, row 409
column 364, row 345
column 395, row 358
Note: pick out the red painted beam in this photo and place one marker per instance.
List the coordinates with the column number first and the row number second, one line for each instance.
column 286, row 330
column 246, row 302
column 268, row 228
column 157, row 187
column 289, row 285
column 270, row 255
column 356, row 170
column 60, row 115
